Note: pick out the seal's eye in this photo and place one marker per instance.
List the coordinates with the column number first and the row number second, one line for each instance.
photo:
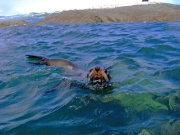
column 105, row 70
column 91, row 70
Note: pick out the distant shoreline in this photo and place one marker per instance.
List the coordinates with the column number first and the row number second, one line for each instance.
column 151, row 12
column 144, row 12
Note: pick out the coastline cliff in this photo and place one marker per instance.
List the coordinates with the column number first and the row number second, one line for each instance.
column 150, row 12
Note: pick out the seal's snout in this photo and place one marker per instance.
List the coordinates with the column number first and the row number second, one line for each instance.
column 97, row 68
column 98, row 75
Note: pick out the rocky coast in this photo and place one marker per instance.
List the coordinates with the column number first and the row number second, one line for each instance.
column 158, row 12
column 151, row 12
column 12, row 23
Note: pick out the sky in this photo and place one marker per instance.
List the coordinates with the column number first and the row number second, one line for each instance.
column 14, row 7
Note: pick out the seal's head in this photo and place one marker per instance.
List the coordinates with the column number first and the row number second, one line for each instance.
column 98, row 75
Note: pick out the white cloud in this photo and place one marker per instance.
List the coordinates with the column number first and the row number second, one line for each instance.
column 57, row 5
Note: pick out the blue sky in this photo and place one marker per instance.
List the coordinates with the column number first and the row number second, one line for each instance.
column 14, row 7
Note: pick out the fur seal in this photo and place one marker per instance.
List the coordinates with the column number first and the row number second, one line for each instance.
column 98, row 77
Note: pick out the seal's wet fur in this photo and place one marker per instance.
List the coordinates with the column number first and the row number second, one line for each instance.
column 53, row 62
column 98, row 77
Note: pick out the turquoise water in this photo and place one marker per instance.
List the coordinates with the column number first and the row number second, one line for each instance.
column 143, row 56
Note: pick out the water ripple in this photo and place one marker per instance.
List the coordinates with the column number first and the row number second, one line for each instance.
column 143, row 56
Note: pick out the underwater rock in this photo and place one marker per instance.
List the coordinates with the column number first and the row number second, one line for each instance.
column 12, row 22
column 138, row 102
column 169, row 128
column 144, row 132
column 151, row 12
column 147, row 101
column 150, row 104
column 174, row 102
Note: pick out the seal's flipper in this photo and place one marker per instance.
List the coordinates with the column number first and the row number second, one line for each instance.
column 40, row 61
column 37, row 57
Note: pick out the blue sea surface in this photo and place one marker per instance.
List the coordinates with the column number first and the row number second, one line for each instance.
column 143, row 56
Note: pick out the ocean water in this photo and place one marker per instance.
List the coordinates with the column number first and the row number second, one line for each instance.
column 143, row 56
